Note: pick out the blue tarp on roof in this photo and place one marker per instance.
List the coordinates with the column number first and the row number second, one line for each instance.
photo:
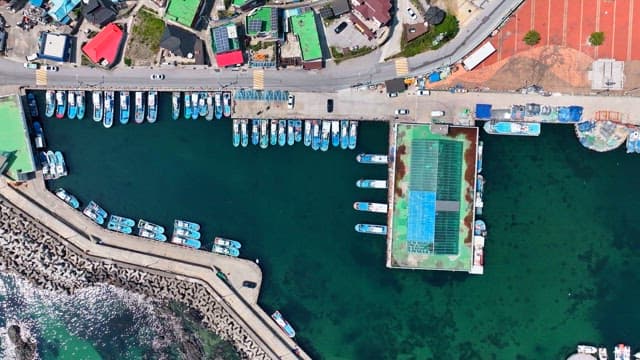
column 61, row 8
column 36, row 3
column 483, row 111
column 434, row 77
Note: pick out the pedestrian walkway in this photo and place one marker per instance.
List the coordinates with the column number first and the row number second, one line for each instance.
column 258, row 79
column 402, row 67
column 41, row 77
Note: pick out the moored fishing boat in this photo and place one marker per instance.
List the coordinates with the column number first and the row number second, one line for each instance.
column 51, row 161
column 108, row 108
column 186, row 224
column 264, row 134
column 222, row 250
column 315, row 135
column 192, row 243
column 61, row 166
column 119, row 228
column 282, row 132
column 67, row 198
column 210, row 111
column 125, row 104
column 202, row 104
column 44, row 164
column 152, row 104
column 297, row 130
column 255, row 131
column 335, row 133
column 587, row 349
column 307, row 133
column 622, row 352
column 480, row 148
column 236, row 132
column 273, row 132
column 220, row 241
column 480, row 228
column 477, row 265
column 80, row 104
column 370, row 207
column 512, row 128
column 353, row 134
column 244, row 132
column 325, row 135
column 175, row 105
column 61, row 104
column 98, row 108
column 187, row 105
column 125, row 221
column 195, row 111
column 344, row 134
column 603, row 354
column 290, row 133
column 139, row 110
column 33, row 105
column 217, row 101
column 50, row 103
column 283, row 324
column 186, row 233
column 149, row 226
column 91, row 214
column 38, row 135
column 371, row 158
column 371, row 229
column 371, row 184
column 226, row 104
column 97, row 209
column 151, row 235
column 72, row 109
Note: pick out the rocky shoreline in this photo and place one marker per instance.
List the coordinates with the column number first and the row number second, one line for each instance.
column 41, row 256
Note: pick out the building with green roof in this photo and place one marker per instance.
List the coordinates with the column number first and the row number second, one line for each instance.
column 15, row 143
column 182, row 11
column 305, row 29
column 263, row 23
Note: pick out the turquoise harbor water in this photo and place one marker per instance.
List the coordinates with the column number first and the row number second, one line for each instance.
column 560, row 256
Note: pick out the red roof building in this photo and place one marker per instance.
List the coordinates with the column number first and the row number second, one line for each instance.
column 103, row 48
column 376, row 10
column 229, row 58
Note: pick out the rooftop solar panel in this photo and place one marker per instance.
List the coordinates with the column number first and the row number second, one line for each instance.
column 221, row 38
column 255, row 26
column 274, row 19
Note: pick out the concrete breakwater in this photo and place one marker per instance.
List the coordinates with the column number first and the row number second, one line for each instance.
column 32, row 250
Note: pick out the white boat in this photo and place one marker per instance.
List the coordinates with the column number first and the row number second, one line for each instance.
column 622, row 352
column 636, row 355
column 370, row 207
column 587, row 349
column 603, row 354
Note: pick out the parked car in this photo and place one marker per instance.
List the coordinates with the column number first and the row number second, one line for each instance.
column 249, row 284
column 31, row 65
column 437, row 113
column 402, row 111
column 330, row 105
column 290, row 101
column 412, row 14
column 157, row 76
column 339, row 28
column 423, row 92
column 31, row 57
column 50, row 68
column 392, row 94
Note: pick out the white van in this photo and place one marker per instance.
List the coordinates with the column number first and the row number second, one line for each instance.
column 32, row 57
column 437, row 113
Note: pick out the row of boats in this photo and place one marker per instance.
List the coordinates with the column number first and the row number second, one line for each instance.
column 620, row 352
column 479, row 226
column 318, row 134
column 53, row 165
column 201, row 104
column 375, row 229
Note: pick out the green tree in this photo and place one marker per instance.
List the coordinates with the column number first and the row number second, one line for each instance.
column 596, row 38
column 531, row 38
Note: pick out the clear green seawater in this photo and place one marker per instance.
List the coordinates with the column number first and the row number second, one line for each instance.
column 560, row 256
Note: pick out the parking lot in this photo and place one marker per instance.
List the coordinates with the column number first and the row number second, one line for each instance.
column 350, row 37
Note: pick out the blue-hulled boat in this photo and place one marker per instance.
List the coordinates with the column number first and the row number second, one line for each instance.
column 283, row 324
column 93, row 215
column 512, row 128
column 152, row 103
column 236, row 132
column 186, row 242
column 255, row 131
column 195, row 111
column 372, row 158
column 98, row 107
column 324, row 135
column 290, row 133
column 218, row 104
column 371, row 184
column 187, row 105
column 244, row 132
column 80, row 103
column 637, row 145
column 119, row 228
column 307, row 133
column 297, row 130
column 264, row 134
column 33, row 105
column 50, row 101
column 61, row 165
column 186, row 233
column 353, row 134
column 344, row 134
column 72, row 109
column 68, row 198
column 282, row 132
column 61, row 104
column 149, row 226
column 223, row 250
column 480, row 149
column 480, row 228
column 125, row 107
column 335, row 133
column 210, row 111
column 140, row 108
column 480, row 183
column 632, row 139
column 175, row 105
column 152, row 235
column 315, row 135
column 186, row 224
column 226, row 104
column 273, row 132
column 370, row 207
column 97, row 209
column 202, row 104
column 38, row 135
column 220, row 241
column 371, row 229
column 125, row 221
column 108, row 108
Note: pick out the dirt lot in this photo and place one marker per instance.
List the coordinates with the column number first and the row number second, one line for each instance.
column 144, row 42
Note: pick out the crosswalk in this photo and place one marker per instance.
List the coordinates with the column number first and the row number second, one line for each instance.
column 258, row 79
column 41, row 77
column 402, row 66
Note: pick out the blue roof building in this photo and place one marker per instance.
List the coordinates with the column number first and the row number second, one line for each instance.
column 60, row 10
